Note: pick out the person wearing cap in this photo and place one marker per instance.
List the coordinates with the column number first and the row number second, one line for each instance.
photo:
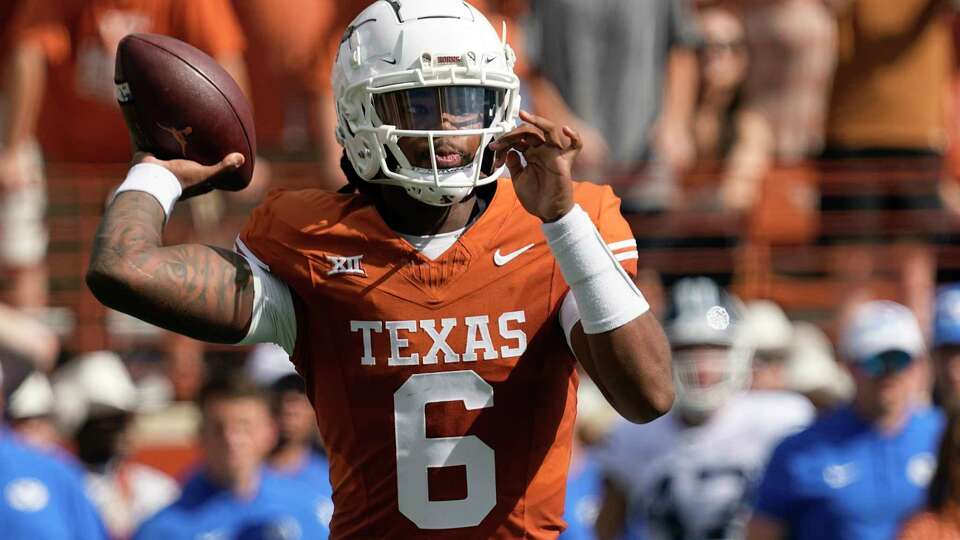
column 946, row 346
column 861, row 471
column 97, row 401
column 234, row 495
column 297, row 454
column 687, row 475
column 41, row 498
column 770, row 333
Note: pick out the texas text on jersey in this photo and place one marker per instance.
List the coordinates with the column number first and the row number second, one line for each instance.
column 444, row 389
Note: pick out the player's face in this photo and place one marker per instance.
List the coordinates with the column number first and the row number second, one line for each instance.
column 236, row 434
column 296, row 422
column 888, row 392
column 702, row 367
column 453, row 108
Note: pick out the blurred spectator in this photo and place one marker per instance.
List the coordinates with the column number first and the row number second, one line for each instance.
column 284, row 80
column 782, row 104
column 28, row 338
column 595, row 418
column 793, row 55
column 724, row 59
column 233, row 495
column 889, row 100
column 940, row 520
column 812, row 370
column 687, row 475
column 946, row 346
column 296, row 455
column 770, row 333
column 861, row 471
column 893, row 72
column 628, row 69
column 101, row 399
column 23, row 235
column 79, row 102
column 41, row 496
column 30, row 410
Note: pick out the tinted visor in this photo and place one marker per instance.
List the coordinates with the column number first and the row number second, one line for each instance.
column 440, row 108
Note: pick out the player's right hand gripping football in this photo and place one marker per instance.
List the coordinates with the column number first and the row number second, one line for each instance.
column 545, row 185
column 195, row 179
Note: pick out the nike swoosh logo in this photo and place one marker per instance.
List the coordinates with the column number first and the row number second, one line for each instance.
column 391, row 61
column 500, row 260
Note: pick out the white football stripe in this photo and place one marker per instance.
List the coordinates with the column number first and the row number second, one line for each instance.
column 624, row 244
column 627, row 255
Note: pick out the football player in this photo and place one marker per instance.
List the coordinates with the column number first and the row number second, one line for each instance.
column 688, row 475
column 436, row 311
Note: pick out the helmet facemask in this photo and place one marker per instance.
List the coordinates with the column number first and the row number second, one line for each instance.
column 706, row 377
column 436, row 139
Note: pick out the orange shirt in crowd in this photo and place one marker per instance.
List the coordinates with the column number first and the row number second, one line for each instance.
column 80, row 120
column 30, row 22
column 893, row 71
column 399, row 352
column 289, row 66
column 933, row 526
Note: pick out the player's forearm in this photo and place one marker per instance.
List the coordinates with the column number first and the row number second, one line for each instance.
column 199, row 291
column 25, row 89
column 631, row 365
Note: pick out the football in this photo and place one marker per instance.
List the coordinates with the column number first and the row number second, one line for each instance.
column 179, row 103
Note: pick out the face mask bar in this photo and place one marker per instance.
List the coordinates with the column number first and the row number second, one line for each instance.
column 730, row 371
column 425, row 108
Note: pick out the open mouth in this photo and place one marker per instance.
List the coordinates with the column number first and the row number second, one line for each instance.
column 449, row 159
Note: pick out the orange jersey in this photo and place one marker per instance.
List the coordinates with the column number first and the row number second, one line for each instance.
column 444, row 389
column 81, row 120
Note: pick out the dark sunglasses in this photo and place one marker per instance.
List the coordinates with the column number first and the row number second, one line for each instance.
column 886, row 363
column 734, row 45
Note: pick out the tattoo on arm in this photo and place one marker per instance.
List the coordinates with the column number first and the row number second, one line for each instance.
column 200, row 291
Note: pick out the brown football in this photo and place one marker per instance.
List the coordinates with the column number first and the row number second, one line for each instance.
column 180, row 104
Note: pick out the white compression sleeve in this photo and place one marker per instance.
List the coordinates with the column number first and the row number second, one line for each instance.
column 274, row 319
column 606, row 297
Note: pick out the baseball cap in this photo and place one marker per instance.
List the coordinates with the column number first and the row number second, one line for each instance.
column 946, row 319
column 882, row 336
column 93, row 384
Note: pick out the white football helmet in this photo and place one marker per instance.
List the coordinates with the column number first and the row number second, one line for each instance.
column 712, row 356
column 429, row 69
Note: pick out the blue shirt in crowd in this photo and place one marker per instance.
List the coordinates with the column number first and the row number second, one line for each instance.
column 41, row 498
column 314, row 475
column 205, row 510
column 582, row 504
column 842, row 479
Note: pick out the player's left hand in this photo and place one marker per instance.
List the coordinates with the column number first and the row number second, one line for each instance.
column 544, row 186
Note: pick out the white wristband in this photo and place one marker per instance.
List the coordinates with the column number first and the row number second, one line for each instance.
column 605, row 295
column 156, row 181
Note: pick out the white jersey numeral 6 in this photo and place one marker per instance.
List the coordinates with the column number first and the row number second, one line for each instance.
column 416, row 453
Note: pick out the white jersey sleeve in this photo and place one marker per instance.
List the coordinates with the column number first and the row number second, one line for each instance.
column 274, row 318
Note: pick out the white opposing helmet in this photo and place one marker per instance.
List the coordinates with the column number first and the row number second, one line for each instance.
column 705, row 316
column 401, row 67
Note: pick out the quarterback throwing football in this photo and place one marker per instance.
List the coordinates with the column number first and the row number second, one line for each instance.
column 436, row 310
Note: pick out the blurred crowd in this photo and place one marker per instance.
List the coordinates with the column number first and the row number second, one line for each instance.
column 780, row 429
